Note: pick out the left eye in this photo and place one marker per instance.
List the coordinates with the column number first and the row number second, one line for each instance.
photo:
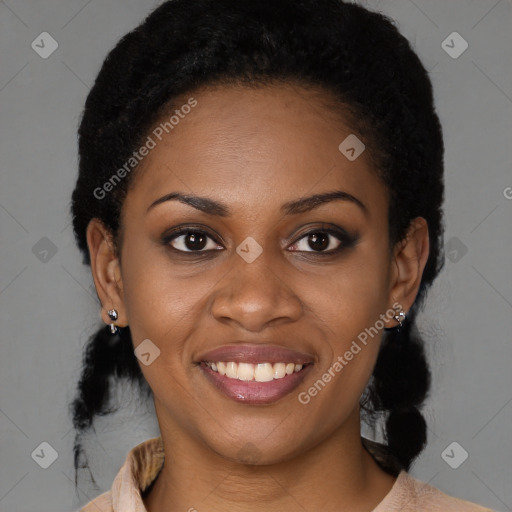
column 318, row 241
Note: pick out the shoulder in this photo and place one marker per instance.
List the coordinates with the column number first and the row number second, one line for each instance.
column 102, row 503
column 140, row 468
column 409, row 494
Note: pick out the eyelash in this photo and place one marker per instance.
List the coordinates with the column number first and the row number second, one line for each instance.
column 346, row 240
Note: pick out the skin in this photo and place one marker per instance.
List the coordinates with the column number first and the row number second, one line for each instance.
column 253, row 150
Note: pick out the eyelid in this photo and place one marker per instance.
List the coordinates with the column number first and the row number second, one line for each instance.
column 323, row 227
column 345, row 239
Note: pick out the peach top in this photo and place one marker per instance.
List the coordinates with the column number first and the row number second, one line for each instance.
column 144, row 461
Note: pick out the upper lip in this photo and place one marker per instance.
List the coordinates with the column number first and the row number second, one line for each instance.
column 255, row 353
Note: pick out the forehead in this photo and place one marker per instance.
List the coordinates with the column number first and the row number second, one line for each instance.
column 254, row 147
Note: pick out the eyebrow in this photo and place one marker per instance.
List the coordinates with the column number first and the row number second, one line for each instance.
column 302, row 205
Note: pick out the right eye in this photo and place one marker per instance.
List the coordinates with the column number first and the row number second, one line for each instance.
column 191, row 241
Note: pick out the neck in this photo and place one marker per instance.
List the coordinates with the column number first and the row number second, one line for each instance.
column 336, row 475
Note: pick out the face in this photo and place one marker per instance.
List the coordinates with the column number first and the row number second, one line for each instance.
column 256, row 275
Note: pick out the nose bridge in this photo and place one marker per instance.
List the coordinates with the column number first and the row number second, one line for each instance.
column 254, row 293
column 256, row 276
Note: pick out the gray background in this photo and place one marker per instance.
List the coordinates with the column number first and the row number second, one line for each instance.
column 49, row 308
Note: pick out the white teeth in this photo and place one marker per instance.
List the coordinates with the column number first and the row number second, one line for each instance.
column 231, row 370
column 263, row 372
column 279, row 370
column 260, row 372
column 245, row 371
column 221, row 368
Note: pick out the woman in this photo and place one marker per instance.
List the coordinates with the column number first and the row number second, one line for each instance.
column 260, row 201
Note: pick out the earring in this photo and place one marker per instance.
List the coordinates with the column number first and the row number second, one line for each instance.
column 399, row 317
column 112, row 314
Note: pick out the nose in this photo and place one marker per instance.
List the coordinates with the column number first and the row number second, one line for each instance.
column 255, row 295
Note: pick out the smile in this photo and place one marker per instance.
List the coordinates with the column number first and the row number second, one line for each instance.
column 259, row 372
column 255, row 374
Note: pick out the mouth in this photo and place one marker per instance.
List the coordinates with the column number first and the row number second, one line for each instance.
column 260, row 372
column 255, row 374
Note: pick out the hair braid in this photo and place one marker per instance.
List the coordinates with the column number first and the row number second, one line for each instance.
column 106, row 356
column 400, row 384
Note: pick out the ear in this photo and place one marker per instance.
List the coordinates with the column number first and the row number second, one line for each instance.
column 106, row 271
column 409, row 259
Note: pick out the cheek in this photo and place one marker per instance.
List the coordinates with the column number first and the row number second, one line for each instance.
column 349, row 305
column 159, row 305
column 353, row 296
column 348, row 354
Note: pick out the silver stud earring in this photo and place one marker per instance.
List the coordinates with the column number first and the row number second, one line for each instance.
column 399, row 317
column 112, row 314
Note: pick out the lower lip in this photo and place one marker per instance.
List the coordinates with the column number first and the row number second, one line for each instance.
column 252, row 392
